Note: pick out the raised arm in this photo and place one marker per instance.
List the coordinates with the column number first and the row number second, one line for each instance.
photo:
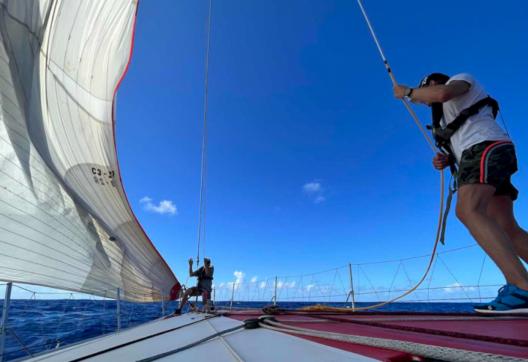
column 433, row 94
column 190, row 267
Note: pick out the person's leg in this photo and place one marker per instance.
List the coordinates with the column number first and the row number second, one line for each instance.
column 500, row 209
column 185, row 298
column 472, row 209
column 205, row 300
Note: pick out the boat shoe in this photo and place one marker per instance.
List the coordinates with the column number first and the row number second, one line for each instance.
column 502, row 291
column 511, row 300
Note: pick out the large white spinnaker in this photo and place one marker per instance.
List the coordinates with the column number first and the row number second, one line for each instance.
column 65, row 221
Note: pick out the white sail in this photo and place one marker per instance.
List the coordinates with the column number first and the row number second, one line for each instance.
column 65, row 221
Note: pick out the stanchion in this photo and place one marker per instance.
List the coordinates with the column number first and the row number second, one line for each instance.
column 5, row 313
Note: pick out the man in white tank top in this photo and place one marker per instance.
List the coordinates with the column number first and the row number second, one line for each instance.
column 486, row 159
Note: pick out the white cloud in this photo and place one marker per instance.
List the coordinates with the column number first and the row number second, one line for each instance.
column 285, row 285
column 314, row 190
column 319, row 199
column 239, row 278
column 310, row 287
column 262, row 285
column 457, row 287
column 312, row 187
column 290, row 285
column 237, row 283
column 254, row 279
column 239, row 275
column 163, row 207
column 145, row 199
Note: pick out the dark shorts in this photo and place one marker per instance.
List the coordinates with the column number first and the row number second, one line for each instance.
column 491, row 163
column 197, row 292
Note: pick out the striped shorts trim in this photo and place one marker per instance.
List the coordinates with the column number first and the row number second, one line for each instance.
column 484, row 160
column 491, row 163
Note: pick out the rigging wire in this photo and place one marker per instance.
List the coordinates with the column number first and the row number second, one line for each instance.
column 433, row 148
column 504, row 123
column 203, row 173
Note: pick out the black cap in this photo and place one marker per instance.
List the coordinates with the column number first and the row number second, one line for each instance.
column 439, row 78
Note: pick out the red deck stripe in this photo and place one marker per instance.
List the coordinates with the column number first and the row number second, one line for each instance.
column 493, row 335
column 450, row 333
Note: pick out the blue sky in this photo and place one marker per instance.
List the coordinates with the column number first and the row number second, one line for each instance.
column 312, row 162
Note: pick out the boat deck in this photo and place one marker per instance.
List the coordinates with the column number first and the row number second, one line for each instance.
column 199, row 337
column 499, row 335
column 309, row 336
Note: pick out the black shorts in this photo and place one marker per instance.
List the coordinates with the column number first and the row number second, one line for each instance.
column 197, row 291
column 491, row 163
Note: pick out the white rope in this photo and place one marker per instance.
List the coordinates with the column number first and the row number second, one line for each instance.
column 393, row 79
column 423, row 350
column 203, row 174
column 360, row 3
column 431, row 145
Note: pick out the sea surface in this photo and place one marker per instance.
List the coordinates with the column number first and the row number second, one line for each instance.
column 36, row 326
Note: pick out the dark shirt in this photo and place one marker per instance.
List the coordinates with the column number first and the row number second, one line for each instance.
column 204, row 281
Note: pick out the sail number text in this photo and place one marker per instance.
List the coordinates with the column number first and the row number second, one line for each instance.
column 103, row 177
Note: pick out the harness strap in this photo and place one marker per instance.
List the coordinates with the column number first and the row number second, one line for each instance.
column 472, row 110
column 452, row 190
column 443, row 135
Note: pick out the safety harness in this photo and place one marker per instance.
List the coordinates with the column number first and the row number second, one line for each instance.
column 200, row 273
column 442, row 137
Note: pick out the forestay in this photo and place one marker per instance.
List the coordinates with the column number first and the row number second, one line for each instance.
column 65, row 221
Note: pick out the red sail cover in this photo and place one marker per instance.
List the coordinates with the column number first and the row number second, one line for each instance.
column 65, row 221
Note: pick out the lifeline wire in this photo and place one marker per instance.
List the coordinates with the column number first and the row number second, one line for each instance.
column 431, row 145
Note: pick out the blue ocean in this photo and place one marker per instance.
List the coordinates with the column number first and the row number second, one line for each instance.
column 36, row 326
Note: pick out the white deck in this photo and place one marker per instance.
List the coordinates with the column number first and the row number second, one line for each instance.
column 240, row 345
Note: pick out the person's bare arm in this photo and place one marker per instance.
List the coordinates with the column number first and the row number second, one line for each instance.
column 433, row 94
column 190, row 267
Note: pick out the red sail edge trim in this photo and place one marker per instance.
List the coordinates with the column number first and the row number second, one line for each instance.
column 175, row 290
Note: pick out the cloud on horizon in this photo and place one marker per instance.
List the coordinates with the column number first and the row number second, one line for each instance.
column 457, row 287
column 239, row 280
column 163, row 207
